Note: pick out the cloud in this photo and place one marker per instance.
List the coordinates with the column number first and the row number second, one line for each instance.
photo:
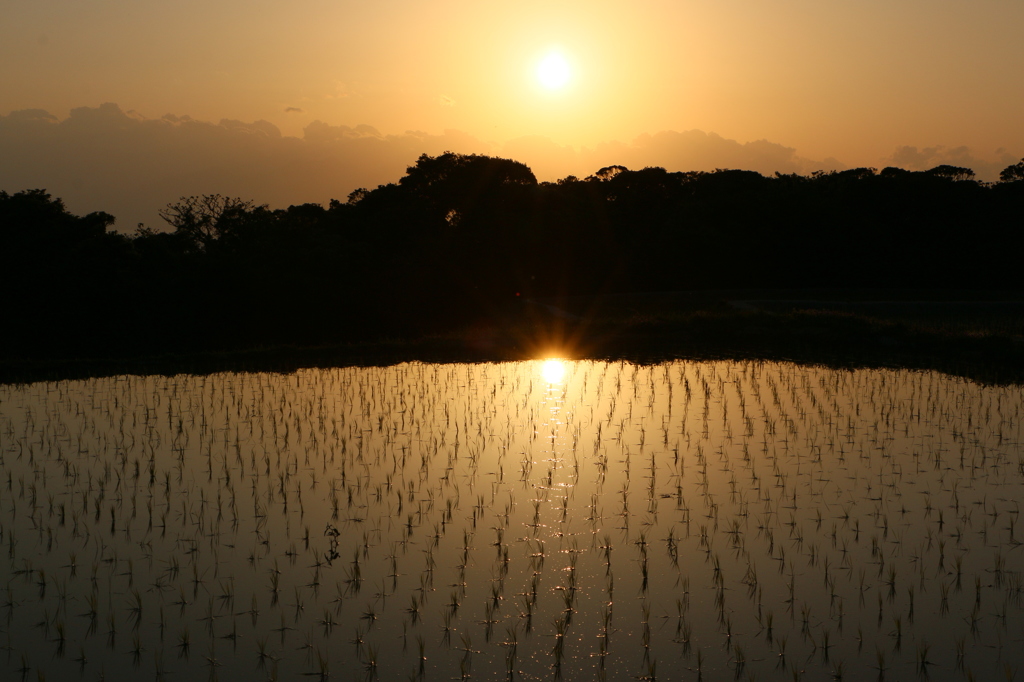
column 697, row 150
column 105, row 159
column 986, row 169
column 28, row 116
column 548, row 159
column 262, row 129
column 674, row 151
column 294, row 110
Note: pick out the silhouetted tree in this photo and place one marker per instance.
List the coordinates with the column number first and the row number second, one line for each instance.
column 34, row 215
column 204, row 219
column 457, row 238
column 957, row 173
column 1012, row 173
column 609, row 172
column 893, row 172
column 856, row 173
column 465, row 172
column 357, row 195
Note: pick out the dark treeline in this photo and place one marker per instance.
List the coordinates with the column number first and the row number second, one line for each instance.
column 460, row 239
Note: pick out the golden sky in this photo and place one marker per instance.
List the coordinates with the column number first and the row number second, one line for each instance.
column 846, row 80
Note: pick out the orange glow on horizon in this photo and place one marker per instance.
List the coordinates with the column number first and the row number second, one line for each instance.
column 566, row 88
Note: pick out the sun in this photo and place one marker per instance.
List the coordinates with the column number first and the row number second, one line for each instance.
column 553, row 71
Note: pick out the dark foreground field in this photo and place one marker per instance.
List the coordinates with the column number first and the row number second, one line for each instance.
column 974, row 334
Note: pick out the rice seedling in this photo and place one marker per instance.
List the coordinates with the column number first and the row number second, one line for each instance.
column 403, row 465
column 184, row 643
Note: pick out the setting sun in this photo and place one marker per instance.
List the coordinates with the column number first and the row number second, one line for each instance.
column 553, row 71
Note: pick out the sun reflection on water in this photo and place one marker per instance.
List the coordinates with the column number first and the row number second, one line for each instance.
column 553, row 371
column 510, row 482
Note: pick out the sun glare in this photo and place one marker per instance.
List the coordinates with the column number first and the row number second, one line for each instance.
column 553, row 71
column 553, row 371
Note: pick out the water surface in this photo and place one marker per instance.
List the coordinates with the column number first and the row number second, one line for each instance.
column 726, row 520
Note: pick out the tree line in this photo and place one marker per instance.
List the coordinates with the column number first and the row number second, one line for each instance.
column 461, row 238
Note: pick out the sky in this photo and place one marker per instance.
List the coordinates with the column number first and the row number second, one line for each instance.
column 307, row 100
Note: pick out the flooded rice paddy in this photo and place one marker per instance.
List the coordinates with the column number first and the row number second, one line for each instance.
column 576, row 520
